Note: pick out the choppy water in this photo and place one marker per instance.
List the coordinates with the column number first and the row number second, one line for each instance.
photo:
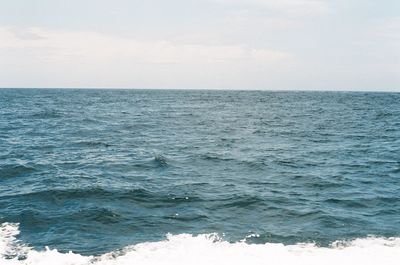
column 96, row 171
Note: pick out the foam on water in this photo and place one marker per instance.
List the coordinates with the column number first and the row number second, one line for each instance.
column 207, row 249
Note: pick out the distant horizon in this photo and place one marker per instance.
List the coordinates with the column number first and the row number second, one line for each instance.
column 209, row 89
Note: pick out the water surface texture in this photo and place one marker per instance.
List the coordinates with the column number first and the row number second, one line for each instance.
column 93, row 171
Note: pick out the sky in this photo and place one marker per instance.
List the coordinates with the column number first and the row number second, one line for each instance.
column 212, row 44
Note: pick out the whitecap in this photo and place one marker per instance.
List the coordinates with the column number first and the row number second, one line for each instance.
column 210, row 249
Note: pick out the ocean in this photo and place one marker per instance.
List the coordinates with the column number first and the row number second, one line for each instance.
column 199, row 177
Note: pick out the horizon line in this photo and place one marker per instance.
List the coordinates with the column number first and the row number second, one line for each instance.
column 212, row 89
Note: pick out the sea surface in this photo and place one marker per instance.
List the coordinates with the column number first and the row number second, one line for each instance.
column 199, row 177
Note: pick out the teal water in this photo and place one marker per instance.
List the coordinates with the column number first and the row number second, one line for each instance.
column 97, row 170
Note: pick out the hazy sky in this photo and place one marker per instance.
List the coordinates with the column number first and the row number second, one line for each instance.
column 240, row 44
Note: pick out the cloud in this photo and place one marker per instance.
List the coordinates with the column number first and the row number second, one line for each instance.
column 65, row 45
column 389, row 28
column 287, row 7
column 73, row 54
column 204, row 43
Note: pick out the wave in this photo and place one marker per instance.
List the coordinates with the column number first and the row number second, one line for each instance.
column 93, row 144
column 160, row 160
column 11, row 171
column 138, row 195
column 207, row 249
column 47, row 114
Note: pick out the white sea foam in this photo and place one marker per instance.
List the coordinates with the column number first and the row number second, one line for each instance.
column 209, row 249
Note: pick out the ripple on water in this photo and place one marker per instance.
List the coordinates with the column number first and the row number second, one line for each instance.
column 96, row 170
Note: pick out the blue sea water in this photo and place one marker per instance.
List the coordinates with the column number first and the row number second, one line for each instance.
column 94, row 171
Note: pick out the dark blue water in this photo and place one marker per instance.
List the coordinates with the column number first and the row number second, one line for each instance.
column 96, row 170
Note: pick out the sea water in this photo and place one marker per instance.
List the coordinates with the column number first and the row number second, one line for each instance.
column 199, row 177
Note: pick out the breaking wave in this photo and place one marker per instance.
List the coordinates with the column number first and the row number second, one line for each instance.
column 206, row 249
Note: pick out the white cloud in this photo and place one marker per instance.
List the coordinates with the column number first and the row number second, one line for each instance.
column 287, row 7
column 280, row 44
column 70, row 55
column 389, row 28
column 64, row 45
